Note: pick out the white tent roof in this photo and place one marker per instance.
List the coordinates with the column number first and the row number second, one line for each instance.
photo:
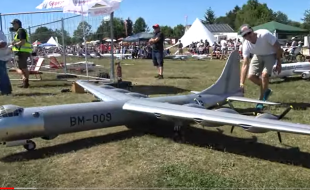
column 53, row 41
column 196, row 33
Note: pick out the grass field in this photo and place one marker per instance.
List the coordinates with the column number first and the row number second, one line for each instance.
column 119, row 157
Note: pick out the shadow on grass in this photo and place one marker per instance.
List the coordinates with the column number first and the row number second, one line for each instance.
column 296, row 105
column 193, row 136
column 34, row 85
column 34, row 94
column 288, row 79
column 241, row 146
column 151, row 90
column 180, row 77
column 64, row 148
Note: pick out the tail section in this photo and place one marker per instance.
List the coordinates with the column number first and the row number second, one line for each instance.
column 229, row 81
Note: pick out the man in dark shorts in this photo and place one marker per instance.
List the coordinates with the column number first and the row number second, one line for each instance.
column 22, row 49
column 158, row 50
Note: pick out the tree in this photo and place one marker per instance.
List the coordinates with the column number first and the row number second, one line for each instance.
column 281, row 17
column 178, row 31
column 104, row 30
column 209, row 17
column 42, row 34
column 306, row 20
column 253, row 13
column 129, row 25
column 78, row 33
column 139, row 26
column 67, row 38
column 229, row 18
column 167, row 31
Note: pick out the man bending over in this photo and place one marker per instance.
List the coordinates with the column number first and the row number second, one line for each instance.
column 266, row 52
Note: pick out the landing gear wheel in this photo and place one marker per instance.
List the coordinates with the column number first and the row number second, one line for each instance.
column 178, row 134
column 30, row 145
column 303, row 75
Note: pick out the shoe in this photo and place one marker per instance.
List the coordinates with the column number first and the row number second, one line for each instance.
column 160, row 76
column 259, row 106
column 267, row 93
column 157, row 76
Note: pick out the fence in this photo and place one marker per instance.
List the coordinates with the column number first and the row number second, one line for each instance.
column 65, row 30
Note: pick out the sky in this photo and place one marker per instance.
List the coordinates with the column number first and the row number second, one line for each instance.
column 163, row 12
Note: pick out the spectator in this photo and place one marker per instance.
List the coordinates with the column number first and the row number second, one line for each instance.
column 180, row 46
column 5, row 55
column 158, row 50
column 22, row 49
column 266, row 52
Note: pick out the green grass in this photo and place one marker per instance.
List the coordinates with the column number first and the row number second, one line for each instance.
column 119, row 157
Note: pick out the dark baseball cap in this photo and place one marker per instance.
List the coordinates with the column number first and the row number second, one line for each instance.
column 244, row 29
column 155, row 26
column 16, row 21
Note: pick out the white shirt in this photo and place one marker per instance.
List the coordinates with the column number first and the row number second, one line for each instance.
column 223, row 43
column 263, row 46
column 5, row 53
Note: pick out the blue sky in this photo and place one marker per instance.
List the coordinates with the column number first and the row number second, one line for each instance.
column 163, row 12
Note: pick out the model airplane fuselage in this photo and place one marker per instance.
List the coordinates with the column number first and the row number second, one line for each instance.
column 122, row 107
column 291, row 69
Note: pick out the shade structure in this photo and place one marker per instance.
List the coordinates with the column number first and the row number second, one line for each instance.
column 142, row 36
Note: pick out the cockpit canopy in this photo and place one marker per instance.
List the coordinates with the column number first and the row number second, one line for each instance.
column 10, row 111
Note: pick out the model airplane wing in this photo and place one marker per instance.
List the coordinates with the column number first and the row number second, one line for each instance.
column 243, row 99
column 179, row 112
column 109, row 93
column 301, row 71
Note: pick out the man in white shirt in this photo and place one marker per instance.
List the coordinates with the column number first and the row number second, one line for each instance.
column 5, row 55
column 266, row 52
column 224, row 48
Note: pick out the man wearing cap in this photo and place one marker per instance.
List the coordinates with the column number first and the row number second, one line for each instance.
column 22, row 49
column 158, row 50
column 266, row 52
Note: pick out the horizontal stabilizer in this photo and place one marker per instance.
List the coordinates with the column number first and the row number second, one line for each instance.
column 243, row 99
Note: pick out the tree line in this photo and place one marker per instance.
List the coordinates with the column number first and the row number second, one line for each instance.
column 252, row 13
column 121, row 28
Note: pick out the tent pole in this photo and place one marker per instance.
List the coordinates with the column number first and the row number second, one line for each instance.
column 112, row 47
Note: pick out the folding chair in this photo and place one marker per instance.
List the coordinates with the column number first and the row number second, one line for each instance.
column 35, row 70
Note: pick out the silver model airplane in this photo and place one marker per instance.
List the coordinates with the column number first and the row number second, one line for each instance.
column 121, row 107
column 291, row 69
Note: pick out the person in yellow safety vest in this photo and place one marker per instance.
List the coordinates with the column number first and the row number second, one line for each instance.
column 22, row 49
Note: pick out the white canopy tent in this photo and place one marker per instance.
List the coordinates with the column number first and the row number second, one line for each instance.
column 196, row 33
column 53, row 41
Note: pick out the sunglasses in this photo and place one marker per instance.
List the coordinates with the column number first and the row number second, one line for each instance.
column 246, row 34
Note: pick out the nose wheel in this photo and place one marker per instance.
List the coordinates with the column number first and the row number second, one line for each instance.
column 178, row 133
column 30, row 145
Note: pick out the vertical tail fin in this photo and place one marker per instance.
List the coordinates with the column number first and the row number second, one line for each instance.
column 229, row 81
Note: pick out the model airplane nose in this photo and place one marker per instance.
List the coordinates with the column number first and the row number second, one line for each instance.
column 17, row 123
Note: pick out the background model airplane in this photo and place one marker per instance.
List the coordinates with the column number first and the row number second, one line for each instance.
column 291, row 69
column 121, row 107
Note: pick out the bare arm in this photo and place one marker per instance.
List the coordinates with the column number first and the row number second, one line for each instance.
column 278, row 50
column 244, row 70
column 20, row 43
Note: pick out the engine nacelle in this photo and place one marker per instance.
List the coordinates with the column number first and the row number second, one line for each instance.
column 194, row 106
column 260, row 130
column 214, row 124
